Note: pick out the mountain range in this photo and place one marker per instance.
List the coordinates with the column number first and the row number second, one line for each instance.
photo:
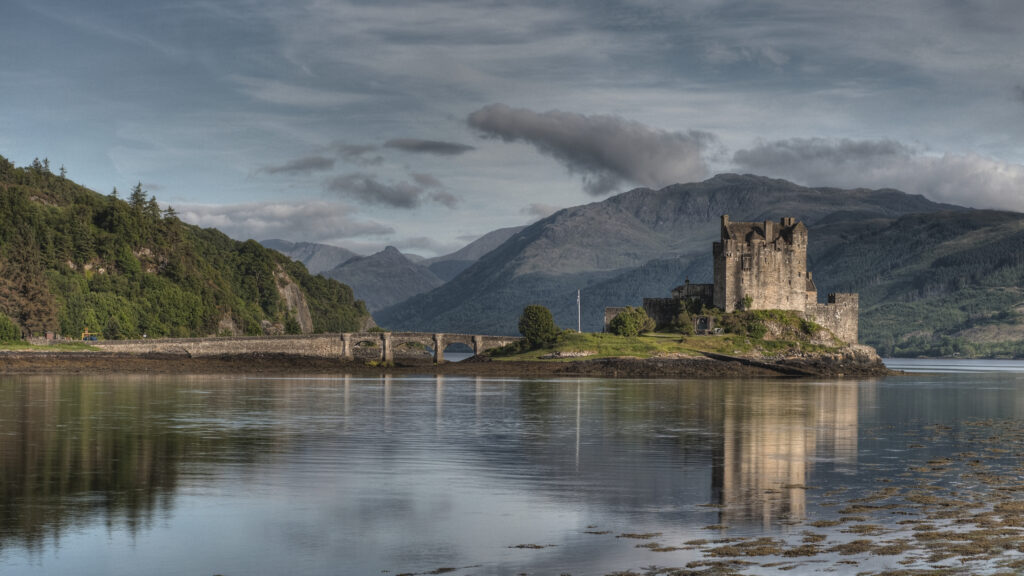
column 389, row 276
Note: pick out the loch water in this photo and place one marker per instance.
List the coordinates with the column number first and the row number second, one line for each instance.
column 126, row 475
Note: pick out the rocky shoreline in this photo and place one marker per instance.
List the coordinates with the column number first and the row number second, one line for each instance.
column 853, row 361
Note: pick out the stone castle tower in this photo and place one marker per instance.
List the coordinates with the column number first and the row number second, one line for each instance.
column 761, row 266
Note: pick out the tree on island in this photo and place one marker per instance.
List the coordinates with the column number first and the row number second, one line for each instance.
column 631, row 322
column 537, row 325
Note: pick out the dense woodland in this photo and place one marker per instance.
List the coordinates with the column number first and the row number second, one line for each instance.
column 72, row 259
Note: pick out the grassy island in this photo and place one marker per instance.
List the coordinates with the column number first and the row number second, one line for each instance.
column 752, row 333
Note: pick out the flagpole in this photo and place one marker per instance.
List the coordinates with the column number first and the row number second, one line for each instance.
column 579, row 315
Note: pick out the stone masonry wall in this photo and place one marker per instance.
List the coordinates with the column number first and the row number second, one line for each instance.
column 316, row 345
column 661, row 310
column 840, row 315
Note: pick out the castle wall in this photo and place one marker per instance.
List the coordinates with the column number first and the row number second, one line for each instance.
column 703, row 293
column 661, row 310
column 840, row 315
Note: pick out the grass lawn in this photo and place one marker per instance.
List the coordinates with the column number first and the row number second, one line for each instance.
column 652, row 344
column 61, row 347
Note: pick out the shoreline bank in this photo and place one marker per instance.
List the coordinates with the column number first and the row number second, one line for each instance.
column 848, row 363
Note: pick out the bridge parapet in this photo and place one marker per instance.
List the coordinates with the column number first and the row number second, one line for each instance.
column 438, row 341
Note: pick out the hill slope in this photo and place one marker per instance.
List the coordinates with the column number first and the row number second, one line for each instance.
column 450, row 265
column 316, row 257
column 385, row 278
column 71, row 258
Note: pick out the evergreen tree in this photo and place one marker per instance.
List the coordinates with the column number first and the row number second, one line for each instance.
column 137, row 199
column 153, row 208
column 112, row 330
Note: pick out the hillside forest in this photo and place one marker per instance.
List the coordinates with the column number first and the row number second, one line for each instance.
column 72, row 259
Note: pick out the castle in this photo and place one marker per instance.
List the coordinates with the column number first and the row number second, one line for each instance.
column 760, row 266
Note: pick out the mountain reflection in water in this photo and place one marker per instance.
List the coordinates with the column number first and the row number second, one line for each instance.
column 413, row 474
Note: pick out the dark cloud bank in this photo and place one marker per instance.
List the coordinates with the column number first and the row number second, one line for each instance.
column 428, row 147
column 606, row 150
column 305, row 165
column 367, row 189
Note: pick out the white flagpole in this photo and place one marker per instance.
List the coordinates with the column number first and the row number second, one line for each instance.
column 579, row 314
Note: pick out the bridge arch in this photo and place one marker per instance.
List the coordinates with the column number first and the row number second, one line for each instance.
column 437, row 341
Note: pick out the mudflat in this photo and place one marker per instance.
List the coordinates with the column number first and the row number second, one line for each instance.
column 852, row 364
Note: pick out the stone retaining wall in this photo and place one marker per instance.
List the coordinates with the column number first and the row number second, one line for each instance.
column 314, row 345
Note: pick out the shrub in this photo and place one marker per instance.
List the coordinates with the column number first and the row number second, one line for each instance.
column 9, row 331
column 809, row 327
column 537, row 325
column 631, row 322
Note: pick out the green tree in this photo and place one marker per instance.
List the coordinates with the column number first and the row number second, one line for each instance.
column 537, row 325
column 137, row 199
column 631, row 322
column 683, row 323
column 9, row 331
column 112, row 330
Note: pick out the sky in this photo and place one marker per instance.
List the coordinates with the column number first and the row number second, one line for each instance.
column 425, row 124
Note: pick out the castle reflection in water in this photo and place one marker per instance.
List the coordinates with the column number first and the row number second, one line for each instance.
column 763, row 464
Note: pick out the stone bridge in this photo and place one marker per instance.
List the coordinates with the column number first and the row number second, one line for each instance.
column 437, row 341
column 383, row 345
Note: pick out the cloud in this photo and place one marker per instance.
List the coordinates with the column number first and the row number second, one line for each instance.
column 1018, row 92
column 304, row 165
column 426, row 180
column 277, row 92
column 606, row 150
column 310, row 221
column 717, row 53
column 367, row 189
column 540, row 210
column 357, row 153
column 428, row 146
column 444, row 198
column 965, row 179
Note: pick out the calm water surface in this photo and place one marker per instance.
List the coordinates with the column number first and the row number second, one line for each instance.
column 241, row 476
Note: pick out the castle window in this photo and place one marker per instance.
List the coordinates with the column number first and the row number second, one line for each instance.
column 746, row 262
